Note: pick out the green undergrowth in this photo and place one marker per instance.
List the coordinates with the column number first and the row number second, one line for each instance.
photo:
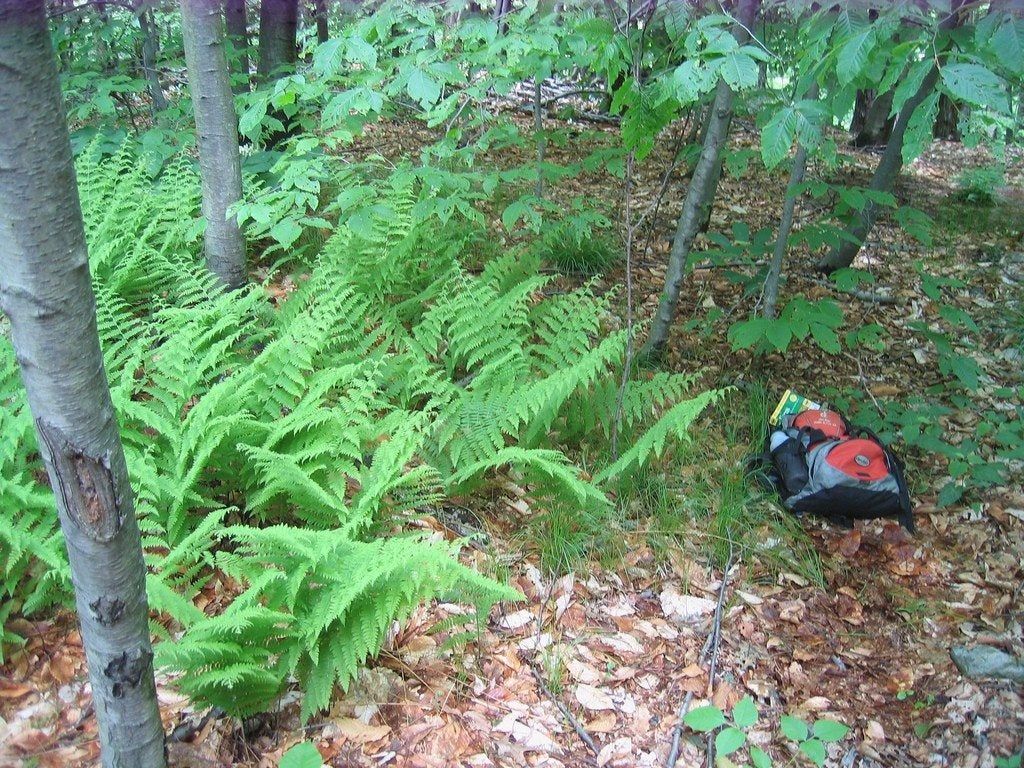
column 711, row 502
column 277, row 456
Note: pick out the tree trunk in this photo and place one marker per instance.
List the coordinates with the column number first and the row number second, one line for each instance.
column 699, row 197
column 885, row 174
column 320, row 12
column 46, row 292
column 501, row 10
column 860, row 110
column 149, row 55
column 538, row 130
column 796, row 177
column 278, row 25
column 237, row 24
column 947, row 121
column 217, row 131
column 877, row 126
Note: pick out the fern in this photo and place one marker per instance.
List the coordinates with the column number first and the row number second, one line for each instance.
column 390, row 379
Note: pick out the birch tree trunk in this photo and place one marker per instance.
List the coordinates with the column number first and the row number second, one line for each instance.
column 217, row 132
column 236, row 23
column 46, row 291
column 796, row 177
column 150, row 50
column 699, row 197
column 279, row 21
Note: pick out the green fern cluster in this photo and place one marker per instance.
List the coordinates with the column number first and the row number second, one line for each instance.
column 275, row 452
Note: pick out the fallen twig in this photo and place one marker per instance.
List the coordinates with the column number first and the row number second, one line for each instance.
column 710, row 646
column 577, row 726
column 875, row 298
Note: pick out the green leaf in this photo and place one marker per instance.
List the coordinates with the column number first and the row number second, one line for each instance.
column 739, row 70
column 919, row 128
column 777, row 136
column 976, row 85
column 760, row 758
column 303, row 755
column 744, row 714
column 423, row 88
column 815, row 750
column 1008, row 44
column 853, row 56
column 793, row 728
column 825, row 338
column 285, row 232
column 746, row 334
column 703, row 719
column 779, row 333
column 830, row 730
column 729, row 740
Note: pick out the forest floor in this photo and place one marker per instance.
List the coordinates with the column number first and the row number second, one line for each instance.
column 851, row 625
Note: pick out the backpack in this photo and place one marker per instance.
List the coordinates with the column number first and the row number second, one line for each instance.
column 821, row 465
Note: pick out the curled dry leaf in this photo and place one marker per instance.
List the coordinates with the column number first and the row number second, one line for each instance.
column 685, row 609
column 593, row 698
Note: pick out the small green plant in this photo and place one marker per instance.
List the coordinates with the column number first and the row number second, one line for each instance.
column 302, row 755
column 731, row 732
column 579, row 245
column 978, row 185
column 799, row 320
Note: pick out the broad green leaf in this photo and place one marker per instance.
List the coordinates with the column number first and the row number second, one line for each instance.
column 760, row 758
column 423, row 88
column 830, row 730
column 777, row 136
column 689, row 81
column 815, row 750
column 744, row 714
column 704, row 718
column 919, row 128
column 746, row 334
column 976, row 85
column 1008, row 44
column 793, row 728
column 286, row 232
column 779, row 333
column 853, row 56
column 915, row 223
column 739, row 70
column 729, row 740
column 303, row 755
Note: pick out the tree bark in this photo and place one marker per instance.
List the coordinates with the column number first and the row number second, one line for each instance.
column 217, row 132
column 46, row 292
column 236, row 23
column 947, row 121
column 501, row 9
column 699, row 197
column 278, row 26
column 150, row 50
column 877, row 125
column 320, row 12
column 860, row 110
column 796, row 177
column 538, row 130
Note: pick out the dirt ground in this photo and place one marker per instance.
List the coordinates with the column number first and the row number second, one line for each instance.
column 619, row 644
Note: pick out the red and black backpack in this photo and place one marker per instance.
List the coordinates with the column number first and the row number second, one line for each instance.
column 821, row 465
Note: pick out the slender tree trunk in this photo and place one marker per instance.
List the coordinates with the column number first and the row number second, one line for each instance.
column 278, row 26
column 699, row 197
column 320, row 12
column 796, row 177
column 885, row 175
column 217, row 130
column 46, row 291
column 236, row 22
column 150, row 49
column 538, row 129
column 501, row 10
